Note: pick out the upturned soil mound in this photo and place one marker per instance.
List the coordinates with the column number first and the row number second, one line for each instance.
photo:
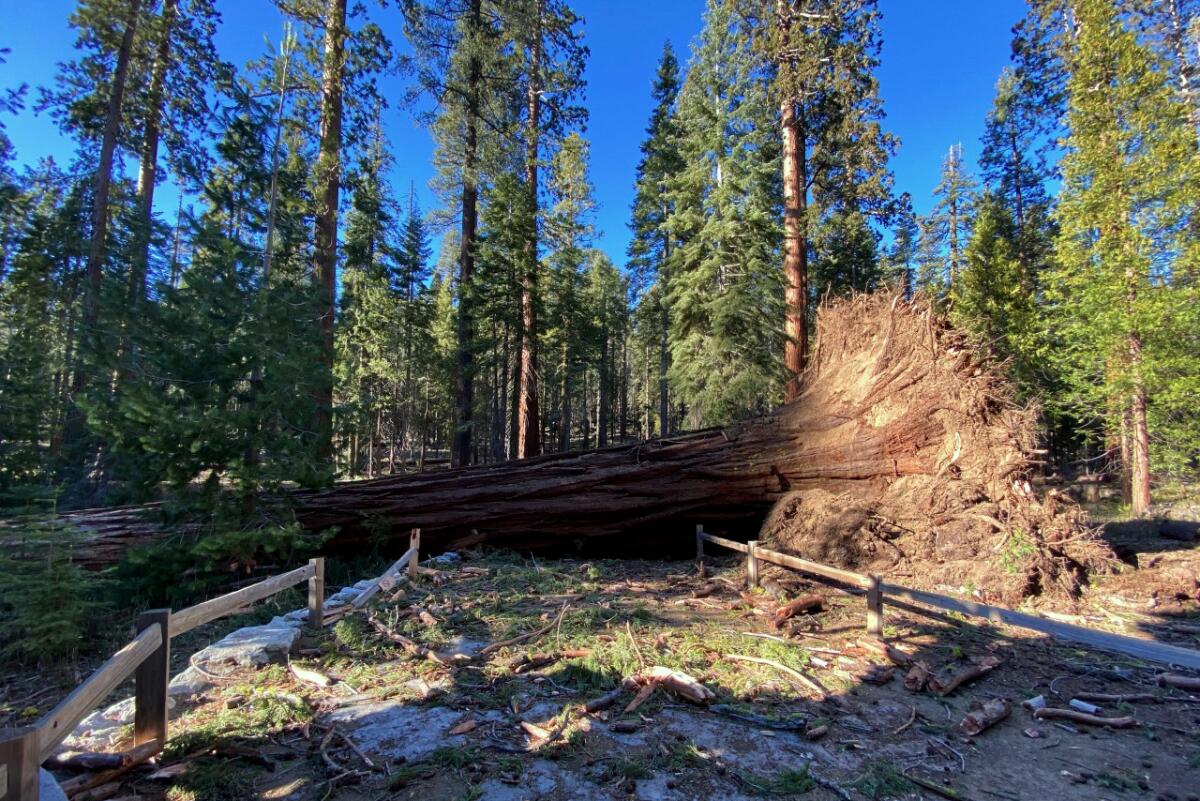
column 971, row 517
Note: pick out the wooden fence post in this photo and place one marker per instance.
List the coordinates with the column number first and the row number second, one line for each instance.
column 700, row 544
column 316, row 593
column 414, row 542
column 150, row 681
column 874, row 607
column 752, row 563
column 19, row 763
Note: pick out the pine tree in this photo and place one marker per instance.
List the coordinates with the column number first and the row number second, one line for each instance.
column 821, row 57
column 1123, row 316
column 650, row 248
column 1014, row 167
column 547, row 36
column 459, row 61
column 108, row 29
column 953, row 214
column 568, row 232
column 725, row 288
column 991, row 298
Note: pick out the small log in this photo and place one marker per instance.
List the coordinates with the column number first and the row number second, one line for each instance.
column 1177, row 681
column 805, row 603
column 85, row 760
column 136, row 755
column 99, row 793
column 1126, row 722
column 679, row 683
column 917, row 677
column 608, row 699
column 894, row 655
column 967, row 674
column 1116, row 698
column 985, row 716
column 535, row 731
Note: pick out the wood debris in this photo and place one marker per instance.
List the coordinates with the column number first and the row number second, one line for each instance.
column 985, row 715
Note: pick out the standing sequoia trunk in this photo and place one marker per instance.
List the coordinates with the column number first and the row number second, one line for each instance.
column 901, row 450
column 528, row 420
column 329, row 178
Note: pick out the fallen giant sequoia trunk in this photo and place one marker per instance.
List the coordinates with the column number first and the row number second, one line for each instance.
column 903, row 449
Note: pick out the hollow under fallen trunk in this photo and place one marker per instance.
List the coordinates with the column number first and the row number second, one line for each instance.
column 903, row 451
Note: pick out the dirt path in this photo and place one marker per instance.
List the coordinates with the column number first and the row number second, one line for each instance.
column 398, row 725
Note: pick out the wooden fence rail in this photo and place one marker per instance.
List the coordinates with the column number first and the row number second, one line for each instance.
column 877, row 590
column 148, row 658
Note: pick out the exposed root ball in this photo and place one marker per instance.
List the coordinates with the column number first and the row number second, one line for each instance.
column 959, row 508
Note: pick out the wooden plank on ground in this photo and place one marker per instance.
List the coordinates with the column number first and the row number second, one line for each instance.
column 188, row 619
column 60, row 721
column 361, row 599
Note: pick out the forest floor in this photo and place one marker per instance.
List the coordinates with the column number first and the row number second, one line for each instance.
column 827, row 715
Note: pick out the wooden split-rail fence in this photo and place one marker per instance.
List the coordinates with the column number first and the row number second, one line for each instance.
column 147, row 657
column 878, row 590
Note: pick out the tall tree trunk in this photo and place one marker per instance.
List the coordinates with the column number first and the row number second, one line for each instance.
column 148, row 166
column 624, row 402
column 514, row 427
column 564, row 415
column 1139, row 435
column 329, row 176
column 528, row 418
column 664, row 329
column 464, row 379
column 89, row 334
column 602, row 399
column 795, row 256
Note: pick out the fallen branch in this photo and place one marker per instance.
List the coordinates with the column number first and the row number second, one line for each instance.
column 608, row 699
column 85, row 760
column 1048, row 713
column 496, row 646
column 413, row 647
column 137, row 756
column 528, row 662
column 805, row 603
column 967, row 674
column 807, row 681
column 1131, row 698
column 1177, row 681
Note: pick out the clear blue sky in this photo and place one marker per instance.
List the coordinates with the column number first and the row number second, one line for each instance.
column 940, row 62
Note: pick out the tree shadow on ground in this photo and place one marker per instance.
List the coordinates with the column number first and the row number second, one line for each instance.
column 474, row 729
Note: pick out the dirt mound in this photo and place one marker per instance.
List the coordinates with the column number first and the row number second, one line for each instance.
column 959, row 507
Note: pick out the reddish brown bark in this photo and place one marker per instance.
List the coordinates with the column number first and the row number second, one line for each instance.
column 899, row 426
column 329, row 178
column 528, row 418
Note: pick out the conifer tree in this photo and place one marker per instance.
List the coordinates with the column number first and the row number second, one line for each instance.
column 726, row 286
column 820, row 56
column 650, row 249
column 991, row 298
column 1120, row 310
column 547, row 36
column 953, row 213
